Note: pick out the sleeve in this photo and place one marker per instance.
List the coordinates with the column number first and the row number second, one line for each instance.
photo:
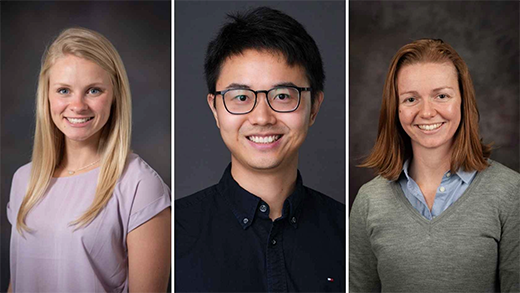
column 508, row 247
column 152, row 196
column 363, row 276
column 188, row 223
column 9, row 217
column 11, row 214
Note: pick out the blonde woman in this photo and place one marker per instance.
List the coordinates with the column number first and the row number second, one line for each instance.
column 87, row 214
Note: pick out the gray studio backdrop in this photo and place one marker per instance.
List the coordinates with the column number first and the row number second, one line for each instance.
column 200, row 154
column 485, row 34
column 140, row 31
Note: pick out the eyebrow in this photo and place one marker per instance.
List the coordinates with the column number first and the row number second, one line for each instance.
column 237, row 86
column 433, row 91
column 98, row 84
column 442, row 88
column 245, row 86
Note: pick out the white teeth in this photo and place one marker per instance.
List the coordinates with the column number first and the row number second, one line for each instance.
column 78, row 120
column 430, row 126
column 264, row 139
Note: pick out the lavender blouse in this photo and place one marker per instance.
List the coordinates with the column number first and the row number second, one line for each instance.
column 54, row 257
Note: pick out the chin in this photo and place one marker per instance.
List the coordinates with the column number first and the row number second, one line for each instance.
column 78, row 138
column 261, row 164
column 433, row 144
column 264, row 165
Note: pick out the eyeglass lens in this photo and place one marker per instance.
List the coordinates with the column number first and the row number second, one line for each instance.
column 243, row 100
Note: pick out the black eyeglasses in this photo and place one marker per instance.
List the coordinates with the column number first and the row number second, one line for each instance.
column 283, row 99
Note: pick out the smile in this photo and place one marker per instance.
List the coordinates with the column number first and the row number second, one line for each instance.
column 79, row 120
column 429, row 127
column 264, row 139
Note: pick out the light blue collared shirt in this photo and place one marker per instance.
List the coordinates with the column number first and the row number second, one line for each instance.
column 451, row 188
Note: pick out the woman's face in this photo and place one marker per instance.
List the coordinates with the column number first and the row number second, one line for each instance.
column 429, row 104
column 80, row 98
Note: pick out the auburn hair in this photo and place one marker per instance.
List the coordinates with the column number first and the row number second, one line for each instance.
column 393, row 145
column 114, row 144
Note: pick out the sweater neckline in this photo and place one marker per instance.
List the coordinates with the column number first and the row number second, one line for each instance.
column 398, row 192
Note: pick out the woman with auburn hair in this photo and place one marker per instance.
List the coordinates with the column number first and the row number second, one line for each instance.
column 441, row 216
column 87, row 214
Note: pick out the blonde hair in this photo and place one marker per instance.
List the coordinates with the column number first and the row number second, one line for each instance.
column 114, row 144
column 393, row 145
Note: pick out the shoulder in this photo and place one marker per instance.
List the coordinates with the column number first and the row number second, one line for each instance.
column 192, row 214
column 197, row 200
column 21, row 179
column 141, row 192
column 138, row 173
column 501, row 180
column 141, row 187
column 377, row 194
column 325, row 202
column 18, row 189
column 501, row 174
column 376, row 185
column 324, row 209
column 375, row 189
column 24, row 172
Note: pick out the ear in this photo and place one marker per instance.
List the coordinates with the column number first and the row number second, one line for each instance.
column 316, row 107
column 212, row 106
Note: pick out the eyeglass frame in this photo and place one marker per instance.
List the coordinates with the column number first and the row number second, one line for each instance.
column 266, row 92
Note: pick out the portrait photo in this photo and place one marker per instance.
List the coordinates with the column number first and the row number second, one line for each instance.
column 434, row 146
column 200, row 154
column 83, row 75
column 259, row 146
column 486, row 38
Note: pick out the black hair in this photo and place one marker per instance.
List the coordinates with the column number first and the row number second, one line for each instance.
column 268, row 29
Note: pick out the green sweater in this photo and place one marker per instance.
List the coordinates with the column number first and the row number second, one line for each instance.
column 473, row 246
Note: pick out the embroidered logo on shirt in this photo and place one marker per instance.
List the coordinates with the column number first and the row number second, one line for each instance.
column 330, row 279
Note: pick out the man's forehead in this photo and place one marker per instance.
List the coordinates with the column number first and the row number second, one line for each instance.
column 280, row 56
column 252, row 65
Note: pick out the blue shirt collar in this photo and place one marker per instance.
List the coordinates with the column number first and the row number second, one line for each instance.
column 465, row 175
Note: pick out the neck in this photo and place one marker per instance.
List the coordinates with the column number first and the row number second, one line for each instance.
column 273, row 186
column 429, row 163
column 79, row 154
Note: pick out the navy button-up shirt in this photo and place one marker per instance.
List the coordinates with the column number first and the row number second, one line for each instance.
column 226, row 242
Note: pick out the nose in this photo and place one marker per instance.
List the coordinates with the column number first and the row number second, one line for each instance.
column 427, row 109
column 262, row 114
column 78, row 103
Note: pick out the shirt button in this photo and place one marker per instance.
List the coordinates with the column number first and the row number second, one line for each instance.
column 442, row 189
column 293, row 220
column 273, row 242
column 448, row 174
column 263, row 208
column 245, row 220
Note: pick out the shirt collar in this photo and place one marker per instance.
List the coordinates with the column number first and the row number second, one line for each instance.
column 405, row 168
column 464, row 175
column 245, row 204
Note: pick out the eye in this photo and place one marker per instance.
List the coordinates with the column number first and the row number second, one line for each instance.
column 241, row 98
column 410, row 100
column 282, row 96
column 442, row 96
column 94, row 91
column 63, row 91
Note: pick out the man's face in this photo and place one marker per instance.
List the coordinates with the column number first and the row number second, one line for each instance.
column 263, row 140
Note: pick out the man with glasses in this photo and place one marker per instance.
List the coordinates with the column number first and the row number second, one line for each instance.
column 259, row 229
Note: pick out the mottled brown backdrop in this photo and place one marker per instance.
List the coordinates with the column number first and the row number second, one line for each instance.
column 485, row 34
